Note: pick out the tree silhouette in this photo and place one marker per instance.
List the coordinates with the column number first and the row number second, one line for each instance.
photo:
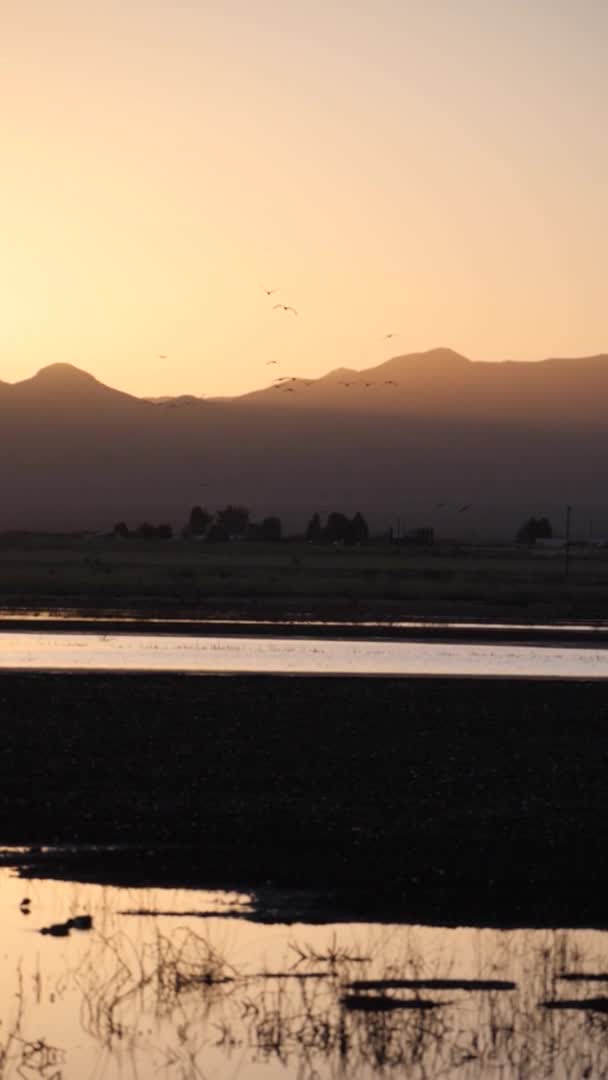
column 534, row 529
column 199, row 521
column 233, row 519
column 154, row 532
column 216, row 534
column 359, row 529
column 146, row 530
column 271, row 529
column 337, row 529
column 314, row 532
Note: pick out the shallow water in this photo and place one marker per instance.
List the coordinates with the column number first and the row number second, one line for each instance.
column 186, row 984
column 290, row 655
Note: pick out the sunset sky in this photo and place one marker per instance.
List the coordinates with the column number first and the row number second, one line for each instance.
column 431, row 168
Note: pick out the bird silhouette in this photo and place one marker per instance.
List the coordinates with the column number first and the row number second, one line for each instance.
column 462, row 509
column 269, row 292
column 162, row 356
column 390, row 382
column 284, row 307
column 392, row 334
column 268, row 362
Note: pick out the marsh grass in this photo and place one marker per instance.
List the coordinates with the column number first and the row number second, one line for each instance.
column 178, row 996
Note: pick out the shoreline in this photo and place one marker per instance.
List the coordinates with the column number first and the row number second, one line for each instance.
column 443, row 629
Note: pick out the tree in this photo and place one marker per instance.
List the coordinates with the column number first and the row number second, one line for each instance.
column 154, row 532
column 271, row 529
column 233, row 519
column 146, row 530
column 337, row 529
column 199, row 521
column 216, row 534
column 359, row 529
column 314, row 532
column 534, row 529
column 120, row 529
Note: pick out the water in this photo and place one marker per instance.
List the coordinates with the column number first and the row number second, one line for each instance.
column 189, row 984
column 291, row 655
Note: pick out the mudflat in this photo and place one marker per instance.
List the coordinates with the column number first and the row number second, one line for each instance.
column 455, row 800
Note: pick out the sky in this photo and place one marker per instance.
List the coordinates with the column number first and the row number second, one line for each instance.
column 436, row 169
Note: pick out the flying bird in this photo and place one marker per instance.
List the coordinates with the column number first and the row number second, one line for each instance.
column 387, row 337
column 390, row 382
column 462, row 509
column 271, row 362
column 284, row 307
column 162, row 356
column 269, row 292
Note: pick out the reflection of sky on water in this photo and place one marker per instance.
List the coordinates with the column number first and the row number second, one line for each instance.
column 183, row 997
column 158, row 652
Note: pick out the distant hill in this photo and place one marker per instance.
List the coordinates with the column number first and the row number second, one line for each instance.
column 442, row 383
column 413, row 438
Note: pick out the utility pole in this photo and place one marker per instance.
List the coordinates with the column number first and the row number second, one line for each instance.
column 567, row 552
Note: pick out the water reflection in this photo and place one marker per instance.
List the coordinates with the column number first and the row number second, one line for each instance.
column 178, row 996
column 183, row 653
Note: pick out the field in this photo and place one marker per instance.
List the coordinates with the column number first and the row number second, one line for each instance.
column 448, row 800
column 172, row 577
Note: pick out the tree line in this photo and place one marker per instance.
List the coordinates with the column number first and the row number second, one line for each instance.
column 234, row 522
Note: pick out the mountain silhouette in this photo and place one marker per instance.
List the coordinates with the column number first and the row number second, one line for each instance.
column 443, row 383
column 432, row 431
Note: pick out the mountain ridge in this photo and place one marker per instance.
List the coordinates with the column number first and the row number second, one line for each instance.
column 513, row 439
column 438, row 362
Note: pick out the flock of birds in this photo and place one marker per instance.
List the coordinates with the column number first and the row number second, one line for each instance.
column 279, row 384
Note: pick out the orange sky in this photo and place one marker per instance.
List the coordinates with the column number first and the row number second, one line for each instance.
column 434, row 169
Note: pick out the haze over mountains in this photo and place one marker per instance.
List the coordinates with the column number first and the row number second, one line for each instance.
column 414, row 438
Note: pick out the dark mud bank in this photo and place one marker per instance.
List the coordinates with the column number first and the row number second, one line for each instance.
column 452, row 800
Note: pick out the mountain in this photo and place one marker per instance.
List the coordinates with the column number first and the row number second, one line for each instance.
column 64, row 387
column 433, row 431
column 441, row 383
